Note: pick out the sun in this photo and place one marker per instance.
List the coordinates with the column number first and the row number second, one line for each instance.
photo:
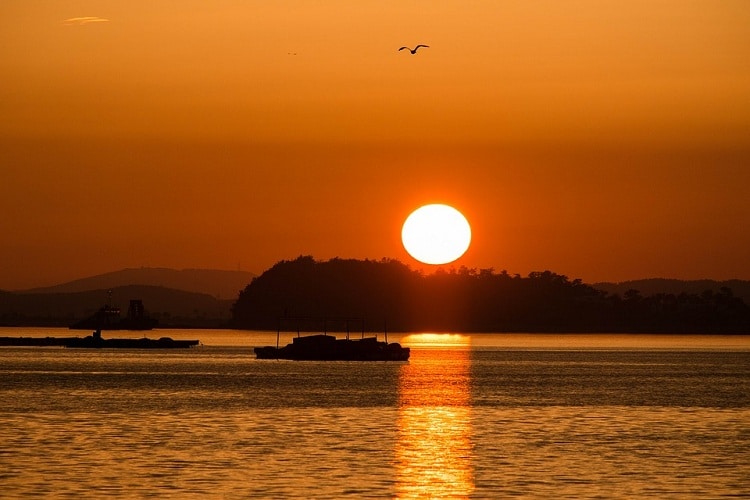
column 436, row 234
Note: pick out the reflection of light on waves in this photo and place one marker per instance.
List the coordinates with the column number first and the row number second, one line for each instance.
column 433, row 452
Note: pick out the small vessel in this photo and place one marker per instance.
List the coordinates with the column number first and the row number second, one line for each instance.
column 326, row 347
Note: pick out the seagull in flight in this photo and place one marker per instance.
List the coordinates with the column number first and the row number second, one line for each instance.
column 414, row 50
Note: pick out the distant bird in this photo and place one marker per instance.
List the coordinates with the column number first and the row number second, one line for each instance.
column 414, row 50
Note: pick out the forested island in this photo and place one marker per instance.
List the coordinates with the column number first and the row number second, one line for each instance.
column 389, row 294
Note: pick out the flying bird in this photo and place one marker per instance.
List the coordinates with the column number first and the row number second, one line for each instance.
column 80, row 21
column 414, row 50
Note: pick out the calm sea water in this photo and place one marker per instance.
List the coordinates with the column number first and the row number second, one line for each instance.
column 490, row 416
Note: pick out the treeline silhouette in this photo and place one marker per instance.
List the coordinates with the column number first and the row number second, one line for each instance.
column 387, row 293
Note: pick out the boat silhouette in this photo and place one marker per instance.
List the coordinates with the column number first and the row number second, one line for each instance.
column 326, row 347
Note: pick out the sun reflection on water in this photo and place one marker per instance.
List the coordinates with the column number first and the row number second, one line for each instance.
column 434, row 448
column 437, row 340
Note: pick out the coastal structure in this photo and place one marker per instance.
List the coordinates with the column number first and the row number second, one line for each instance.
column 108, row 318
column 95, row 341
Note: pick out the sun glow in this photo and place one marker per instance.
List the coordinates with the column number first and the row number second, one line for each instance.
column 436, row 234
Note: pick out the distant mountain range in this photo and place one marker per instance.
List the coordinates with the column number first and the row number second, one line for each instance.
column 204, row 297
column 176, row 298
column 653, row 286
column 217, row 283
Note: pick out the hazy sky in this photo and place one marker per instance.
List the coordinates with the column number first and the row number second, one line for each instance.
column 604, row 140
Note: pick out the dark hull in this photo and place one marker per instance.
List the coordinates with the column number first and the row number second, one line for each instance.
column 328, row 348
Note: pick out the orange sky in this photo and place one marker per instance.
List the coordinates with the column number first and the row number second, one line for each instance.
column 601, row 140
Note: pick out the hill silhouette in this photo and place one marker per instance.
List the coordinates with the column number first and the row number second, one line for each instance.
column 172, row 308
column 217, row 283
column 389, row 292
column 471, row 300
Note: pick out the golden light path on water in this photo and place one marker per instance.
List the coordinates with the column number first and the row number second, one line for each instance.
column 434, row 450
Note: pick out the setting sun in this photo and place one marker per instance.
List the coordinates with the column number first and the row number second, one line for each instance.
column 436, row 234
